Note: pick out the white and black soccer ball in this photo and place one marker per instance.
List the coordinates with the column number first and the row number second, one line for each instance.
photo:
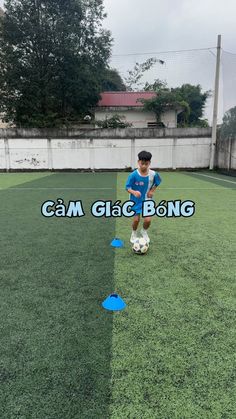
column 140, row 246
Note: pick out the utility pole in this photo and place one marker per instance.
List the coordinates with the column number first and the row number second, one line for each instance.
column 215, row 109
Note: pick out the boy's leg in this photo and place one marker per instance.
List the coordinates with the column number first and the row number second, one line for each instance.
column 147, row 222
column 134, row 228
column 146, row 225
column 135, row 222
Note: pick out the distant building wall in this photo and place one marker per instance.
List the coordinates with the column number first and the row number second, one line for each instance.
column 34, row 149
column 169, row 118
column 3, row 124
column 137, row 117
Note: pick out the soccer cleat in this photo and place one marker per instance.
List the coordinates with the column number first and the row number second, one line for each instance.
column 133, row 236
column 145, row 235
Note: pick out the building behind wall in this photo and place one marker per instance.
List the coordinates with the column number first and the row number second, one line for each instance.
column 129, row 106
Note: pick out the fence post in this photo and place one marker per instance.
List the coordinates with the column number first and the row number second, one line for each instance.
column 174, row 153
column 215, row 110
column 91, row 154
column 230, row 149
column 49, row 146
column 133, row 153
column 7, row 154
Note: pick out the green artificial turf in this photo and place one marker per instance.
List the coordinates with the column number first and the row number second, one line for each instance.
column 173, row 347
column 55, row 348
column 169, row 354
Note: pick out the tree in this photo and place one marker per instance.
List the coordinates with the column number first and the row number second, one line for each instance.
column 186, row 94
column 134, row 76
column 112, row 81
column 228, row 128
column 115, row 121
column 192, row 115
column 156, row 86
column 53, row 55
column 196, row 101
column 164, row 101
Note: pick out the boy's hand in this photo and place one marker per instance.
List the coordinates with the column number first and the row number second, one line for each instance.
column 137, row 194
column 150, row 194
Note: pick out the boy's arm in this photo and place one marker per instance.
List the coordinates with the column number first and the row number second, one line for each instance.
column 151, row 191
column 157, row 181
column 130, row 190
column 129, row 184
column 133, row 192
column 153, row 188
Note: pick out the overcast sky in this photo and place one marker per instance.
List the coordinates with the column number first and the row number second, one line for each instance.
column 154, row 26
column 139, row 26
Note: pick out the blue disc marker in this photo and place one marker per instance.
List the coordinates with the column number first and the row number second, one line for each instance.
column 114, row 302
column 116, row 242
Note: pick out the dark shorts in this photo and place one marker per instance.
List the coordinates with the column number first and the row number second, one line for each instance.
column 138, row 209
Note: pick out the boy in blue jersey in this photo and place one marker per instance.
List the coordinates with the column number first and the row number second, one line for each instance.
column 141, row 185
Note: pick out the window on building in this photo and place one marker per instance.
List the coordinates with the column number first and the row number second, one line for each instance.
column 155, row 125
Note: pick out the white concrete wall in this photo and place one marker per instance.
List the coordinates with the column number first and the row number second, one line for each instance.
column 69, row 153
column 106, row 149
column 188, row 150
column 226, row 154
column 2, row 154
column 27, row 153
column 138, row 117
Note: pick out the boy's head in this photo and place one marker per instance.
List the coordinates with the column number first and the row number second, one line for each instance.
column 144, row 160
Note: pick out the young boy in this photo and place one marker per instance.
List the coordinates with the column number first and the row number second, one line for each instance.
column 141, row 185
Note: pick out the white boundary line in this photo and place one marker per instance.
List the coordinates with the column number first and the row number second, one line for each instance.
column 35, row 189
column 216, row 178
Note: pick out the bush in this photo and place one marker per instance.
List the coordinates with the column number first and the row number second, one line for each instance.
column 114, row 121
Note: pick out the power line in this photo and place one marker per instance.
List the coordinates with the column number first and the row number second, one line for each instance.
column 162, row 52
column 228, row 52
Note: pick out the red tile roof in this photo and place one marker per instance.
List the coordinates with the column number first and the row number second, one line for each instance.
column 124, row 98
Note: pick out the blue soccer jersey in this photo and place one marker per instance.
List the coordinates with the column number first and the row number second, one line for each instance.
column 143, row 184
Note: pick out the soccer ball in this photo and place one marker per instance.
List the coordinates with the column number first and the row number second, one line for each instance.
column 140, row 246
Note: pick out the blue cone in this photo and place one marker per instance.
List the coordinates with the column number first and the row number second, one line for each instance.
column 113, row 302
column 117, row 242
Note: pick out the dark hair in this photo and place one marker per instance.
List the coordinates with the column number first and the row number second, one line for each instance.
column 144, row 155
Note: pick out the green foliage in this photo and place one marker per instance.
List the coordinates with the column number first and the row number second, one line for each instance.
column 112, row 81
column 228, row 128
column 156, row 86
column 196, row 101
column 188, row 96
column 53, row 54
column 134, row 76
column 164, row 101
column 191, row 97
column 114, row 121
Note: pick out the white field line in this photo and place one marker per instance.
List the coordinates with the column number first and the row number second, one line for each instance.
column 216, row 178
column 35, row 189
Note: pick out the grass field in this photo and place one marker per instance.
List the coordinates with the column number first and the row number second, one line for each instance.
column 169, row 354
